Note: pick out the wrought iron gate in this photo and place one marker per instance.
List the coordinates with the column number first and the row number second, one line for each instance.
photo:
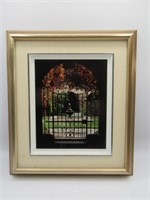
column 70, row 116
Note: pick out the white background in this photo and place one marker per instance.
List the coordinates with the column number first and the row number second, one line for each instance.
column 96, row 14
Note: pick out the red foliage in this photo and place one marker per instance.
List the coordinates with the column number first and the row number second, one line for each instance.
column 76, row 77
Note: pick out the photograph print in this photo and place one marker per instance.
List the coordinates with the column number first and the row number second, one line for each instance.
column 70, row 103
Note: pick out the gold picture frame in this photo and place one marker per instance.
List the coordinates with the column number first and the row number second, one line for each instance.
column 119, row 43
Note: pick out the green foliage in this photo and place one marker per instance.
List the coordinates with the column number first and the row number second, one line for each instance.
column 72, row 124
column 59, row 103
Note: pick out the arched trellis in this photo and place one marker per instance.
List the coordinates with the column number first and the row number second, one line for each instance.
column 66, row 100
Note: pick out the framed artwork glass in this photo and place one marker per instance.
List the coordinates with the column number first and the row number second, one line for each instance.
column 71, row 101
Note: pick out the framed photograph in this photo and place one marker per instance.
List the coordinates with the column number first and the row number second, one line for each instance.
column 71, row 101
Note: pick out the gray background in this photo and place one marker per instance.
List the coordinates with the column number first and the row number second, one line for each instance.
column 96, row 14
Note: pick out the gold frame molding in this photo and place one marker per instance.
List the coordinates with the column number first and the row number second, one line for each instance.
column 118, row 35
